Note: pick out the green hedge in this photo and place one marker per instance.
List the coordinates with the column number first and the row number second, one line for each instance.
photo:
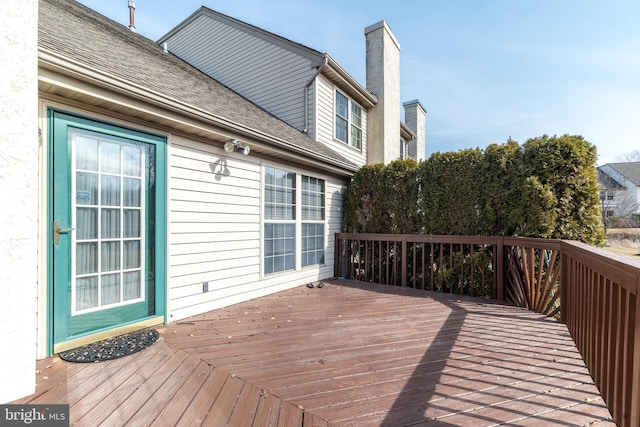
column 546, row 187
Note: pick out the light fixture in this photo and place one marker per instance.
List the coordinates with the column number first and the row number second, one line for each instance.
column 234, row 145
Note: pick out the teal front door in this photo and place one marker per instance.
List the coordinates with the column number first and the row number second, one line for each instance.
column 107, row 227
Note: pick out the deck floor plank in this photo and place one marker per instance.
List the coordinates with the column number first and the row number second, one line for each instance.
column 154, row 377
column 347, row 354
column 199, row 407
column 225, row 404
column 268, row 410
column 246, row 407
column 173, row 410
column 290, row 415
column 167, row 392
column 117, row 376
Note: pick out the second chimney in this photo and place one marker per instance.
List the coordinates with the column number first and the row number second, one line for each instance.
column 415, row 117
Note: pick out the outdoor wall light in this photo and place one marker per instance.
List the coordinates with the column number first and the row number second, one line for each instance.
column 234, row 145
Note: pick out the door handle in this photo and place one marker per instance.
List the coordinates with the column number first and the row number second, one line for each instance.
column 57, row 231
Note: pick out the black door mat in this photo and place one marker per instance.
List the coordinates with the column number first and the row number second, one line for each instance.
column 111, row 348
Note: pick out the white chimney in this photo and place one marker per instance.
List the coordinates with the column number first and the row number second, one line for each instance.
column 415, row 117
column 383, row 80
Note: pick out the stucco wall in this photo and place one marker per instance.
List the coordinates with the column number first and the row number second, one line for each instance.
column 19, row 189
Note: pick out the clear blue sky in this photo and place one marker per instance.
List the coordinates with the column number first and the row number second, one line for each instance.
column 485, row 70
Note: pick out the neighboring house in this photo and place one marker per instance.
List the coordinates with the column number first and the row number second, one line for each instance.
column 129, row 201
column 620, row 193
column 307, row 88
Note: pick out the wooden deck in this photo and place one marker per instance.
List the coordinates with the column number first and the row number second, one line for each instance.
column 349, row 354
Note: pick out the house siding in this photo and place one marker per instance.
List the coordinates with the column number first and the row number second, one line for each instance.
column 627, row 199
column 215, row 229
column 325, row 95
column 265, row 73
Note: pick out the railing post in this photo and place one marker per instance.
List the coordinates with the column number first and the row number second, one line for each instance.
column 565, row 299
column 499, row 269
column 634, row 411
column 403, row 264
column 337, row 251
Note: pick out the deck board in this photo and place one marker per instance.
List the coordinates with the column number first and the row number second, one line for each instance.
column 199, row 407
column 347, row 354
column 171, row 413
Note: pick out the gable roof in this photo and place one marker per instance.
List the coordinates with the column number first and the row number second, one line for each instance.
column 323, row 61
column 73, row 39
column 607, row 181
column 630, row 170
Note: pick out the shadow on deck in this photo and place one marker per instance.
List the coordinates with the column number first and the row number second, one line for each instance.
column 351, row 354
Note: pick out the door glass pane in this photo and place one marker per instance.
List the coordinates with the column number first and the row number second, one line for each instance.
column 86, row 223
column 86, row 293
column 131, row 223
column 86, row 258
column 131, row 285
column 131, row 192
column 131, row 157
column 110, row 289
column 86, row 188
column 109, row 157
column 110, row 224
column 110, row 256
column 131, row 257
column 110, row 190
column 86, row 153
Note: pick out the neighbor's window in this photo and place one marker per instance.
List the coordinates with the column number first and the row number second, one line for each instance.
column 607, row 195
column 279, row 220
column 348, row 121
column 313, row 212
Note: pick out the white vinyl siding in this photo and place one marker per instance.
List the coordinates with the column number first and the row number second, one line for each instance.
column 267, row 74
column 324, row 92
column 215, row 229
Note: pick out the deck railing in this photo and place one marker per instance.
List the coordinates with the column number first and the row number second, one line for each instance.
column 594, row 292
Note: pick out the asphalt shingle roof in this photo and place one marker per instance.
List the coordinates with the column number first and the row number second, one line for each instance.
column 630, row 170
column 80, row 34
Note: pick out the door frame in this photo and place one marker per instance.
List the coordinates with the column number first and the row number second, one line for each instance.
column 160, row 309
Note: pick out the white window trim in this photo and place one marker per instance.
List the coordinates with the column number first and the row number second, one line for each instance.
column 349, row 120
column 298, row 221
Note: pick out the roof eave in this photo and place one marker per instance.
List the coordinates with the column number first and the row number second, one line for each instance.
column 346, row 82
column 405, row 132
column 172, row 109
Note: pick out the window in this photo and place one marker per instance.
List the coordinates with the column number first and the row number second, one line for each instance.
column 284, row 211
column 279, row 215
column 348, row 121
column 607, row 195
column 312, row 221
